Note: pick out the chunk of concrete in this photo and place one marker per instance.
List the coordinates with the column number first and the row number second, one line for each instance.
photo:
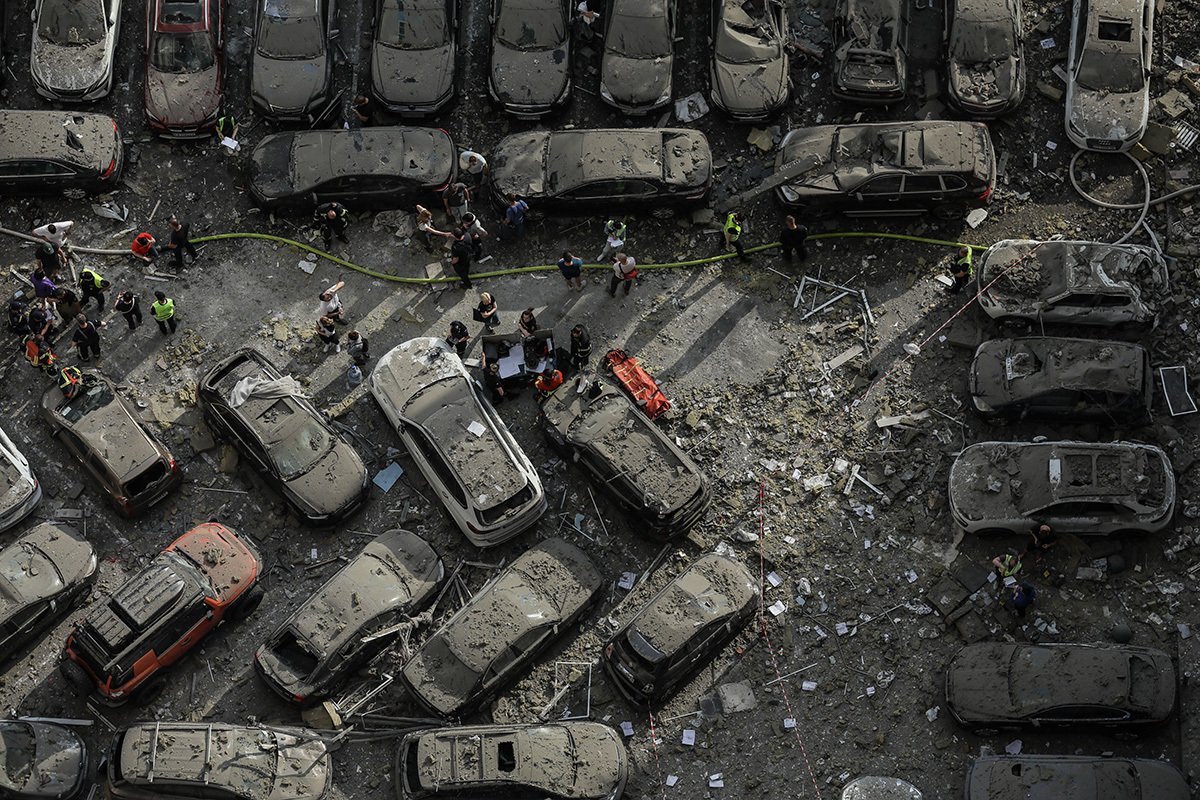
column 736, row 697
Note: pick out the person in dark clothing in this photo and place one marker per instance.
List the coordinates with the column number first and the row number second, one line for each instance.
column 67, row 303
column 128, row 306
column 333, row 219
column 495, row 384
column 792, row 238
column 48, row 260
column 513, row 224
column 181, row 241
column 357, row 347
column 87, row 337
column 527, row 323
column 487, row 311
column 93, row 285
column 1041, row 539
column 1022, row 598
column 364, row 112
column 459, row 338
column 960, row 271
column 581, row 348
column 460, row 259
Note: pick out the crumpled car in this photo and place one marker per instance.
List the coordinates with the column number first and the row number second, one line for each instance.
column 74, row 45
column 530, row 74
column 185, row 67
column 1073, row 778
column 985, row 56
column 748, row 73
column 870, row 64
column 639, row 55
column 41, row 761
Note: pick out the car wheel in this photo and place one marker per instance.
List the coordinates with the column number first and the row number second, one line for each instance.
column 245, row 606
column 76, row 677
column 150, row 690
column 948, row 212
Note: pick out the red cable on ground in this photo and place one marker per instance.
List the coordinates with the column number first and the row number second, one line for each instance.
column 662, row 784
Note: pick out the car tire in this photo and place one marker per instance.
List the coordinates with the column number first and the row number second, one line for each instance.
column 948, row 212
column 245, row 605
column 150, row 690
column 76, row 677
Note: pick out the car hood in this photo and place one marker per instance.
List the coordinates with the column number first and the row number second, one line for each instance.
column 55, row 767
column 527, row 78
column 334, row 482
column 71, row 69
column 751, row 87
column 416, row 77
column 279, row 671
column 986, row 85
column 188, row 98
column 636, row 81
column 72, row 555
column 289, row 86
column 518, row 164
column 1114, row 116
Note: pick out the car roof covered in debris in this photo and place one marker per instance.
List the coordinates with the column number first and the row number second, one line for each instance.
column 1034, row 777
column 872, row 24
column 41, row 563
column 107, row 425
column 85, row 140
column 1048, row 270
column 41, row 760
column 424, row 155
column 1005, row 369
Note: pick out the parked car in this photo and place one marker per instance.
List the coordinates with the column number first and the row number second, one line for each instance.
column 680, row 630
column 185, row 67
column 887, row 169
column 491, row 640
column 55, row 151
column 748, row 73
column 870, row 62
column 1052, row 378
column 567, row 169
column 554, row 760
column 530, row 56
column 1108, row 73
column 1000, row 684
column 352, row 618
column 367, row 168
column 23, row 492
column 872, row 787
column 152, row 760
column 74, row 47
column 290, row 67
column 639, row 55
column 1075, row 487
column 1073, row 778
column 103, row 430
column 414, row 55
column 985, row 56
column 48, row 571
column 41, row 761
column 627, row 456
column 478, row 471
column 1078, row 283
column 280, row 433
column 121, row 650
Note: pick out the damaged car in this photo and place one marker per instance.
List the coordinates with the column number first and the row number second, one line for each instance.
column 414, row 55
column 1108, row 73
column 357, row 614
column 985, row 56
column 1073, row 778
column 530, row 56
column 887, row 169
column 41, row 761
column 277, row 429
column 748, row 71
column 870, row 64
column 994, row 685
column 1076, row 283
column 598, row 427
column 1083, row 488
column 680, row 631
column 639, row 55
column 1042, row 377
column 483, row 479
column 185, row 67
column 22, row 491
column 56, row 151
column 74, row 48
column 875, row 787
column 491, row 640
column 290, row 67
column 572, row 760
column 568, row 169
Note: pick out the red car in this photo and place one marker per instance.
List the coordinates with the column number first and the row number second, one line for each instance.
column 185, row 67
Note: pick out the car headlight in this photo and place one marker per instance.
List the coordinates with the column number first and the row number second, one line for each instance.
column 665, row 98
column 605, row 93
column 982, row 406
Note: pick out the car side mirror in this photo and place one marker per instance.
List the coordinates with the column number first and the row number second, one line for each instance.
column 33, row 15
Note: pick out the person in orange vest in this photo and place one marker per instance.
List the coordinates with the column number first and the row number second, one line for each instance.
column 39, row 353
column 144, row 247
column 70, row 381
column 547, row 382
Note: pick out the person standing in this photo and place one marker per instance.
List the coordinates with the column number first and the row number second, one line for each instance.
column 181, row 241
column 581, row 348
column 527, row 323
column 460, row 259
column 357, row 347
column 333, row 219
column 1022, row 598
column 494, row 383
column 93, row 285
column 331, row 305
column 455, row 198
column 145, row 247
column 473, row 229
column 127, row 305
column 43, row 287
column 328, row 333
column 614, row 239
column 733, row 235
column 48, row 259
column 624, row 271
column 163, row 309
column 513, row 224
column 960, row 271
column 586, row 22
column 87, row 337
column 364, row 112
column 792, row 239
column 459, row 338
column 426, row 229
column 571, row 268
column 487, row 312
column 475, row 165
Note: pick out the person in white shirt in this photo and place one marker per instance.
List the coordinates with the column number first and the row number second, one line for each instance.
column 331, row 304
column 624, row 271
column 56, row 233
column 614, row 233
column 475, row 165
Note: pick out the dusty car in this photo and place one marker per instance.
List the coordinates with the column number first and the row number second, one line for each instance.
column 1073, row 778
column 530, row 56
column 554, row 760
column 54, row 151
column 870, row 63
column 185, row 67
column 490, row 641
column 121, row 650
column 1108, row 73
column 41, row 761
column 366, row 168
column 22, row 491
column 985, row 56
column 682, row 628
column 352, row 618
column 627, row 456
column 1046, row 377
column 101, row 429
column 1078, row 283
column 874, row 787
column 1075, row 487
column 748, row 71
column 413, row 55
column 997, row 684
column 478, row 471
column 152, row 760
column 279, row 431
column 603, row 167
column 639, row 55
column 74, row 45
column 290, row 67
column 887, row 169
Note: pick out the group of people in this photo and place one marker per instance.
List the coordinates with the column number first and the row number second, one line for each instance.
column 1018, row 593
column 330, row 315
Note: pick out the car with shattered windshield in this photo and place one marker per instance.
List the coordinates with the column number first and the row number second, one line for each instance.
column 571, row 760
column 682, row 628
column 41, row 761
column 1073, row 778
column 1084, row 488
column 74, row 47
column 1044, row 377
column 55, row 151
column 870, row 64
column 530, row 56
column 887, row 169
column 602, row 167
column 414, row 55
column 993, row 685
column 185, row 67
column 985, row 56
column 290, row 67
column 875, row 787
column 490, row 642
column 358, row 613
column 153, row 760
column 1108, row 73
column 639, row 55
column 748, row 70
column 22, row 491
column 281, row 434
column 1076, row 283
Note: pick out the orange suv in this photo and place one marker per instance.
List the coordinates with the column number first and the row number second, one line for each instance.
column 122, row 648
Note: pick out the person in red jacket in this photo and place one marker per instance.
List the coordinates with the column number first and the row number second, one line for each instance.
column 144, row 247
column 547, row 382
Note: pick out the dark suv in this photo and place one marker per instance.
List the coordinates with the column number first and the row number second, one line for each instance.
column 121, row 649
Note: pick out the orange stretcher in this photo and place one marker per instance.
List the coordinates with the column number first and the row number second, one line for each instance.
column 641, row 387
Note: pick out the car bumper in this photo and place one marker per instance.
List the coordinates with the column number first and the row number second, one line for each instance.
column 155, row 495
column 499, row 534
column 182, row 132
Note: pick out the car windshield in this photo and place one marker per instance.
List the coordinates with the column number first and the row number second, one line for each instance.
column 72, row 23
column 288, row 38
column 746, row 44
column 183, row 52
column 978, row 42
column 528, row 26
column 19, row 750
column 1110, row 72
column 96, row 396
column 639, row 36
column 302, row 448
column 413, row 24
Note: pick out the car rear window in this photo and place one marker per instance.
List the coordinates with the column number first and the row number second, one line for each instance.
column 146, row 479
column 489, row 515
column 96, row 396
column 295, row 655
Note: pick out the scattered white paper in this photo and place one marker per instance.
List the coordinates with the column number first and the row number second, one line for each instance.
column 932, row 713
column 911, row 575
column 672, row 780
column 777, row 608
column 689, row 736
column 230, row 144
column 627, row 728
column 313, row 554
column 716, row 781
column 1047, row 43
column 627, row 579
column 991, row 577
column 1051, row 145
column 789, row 723
column 774, row 579
column 808, row 686
column 1013, row 748
column 476, row 427
column 866, row 544
column 1010, row 581
column 790, row 539
column 870, row 691
column 841, row 628
column 942, row 338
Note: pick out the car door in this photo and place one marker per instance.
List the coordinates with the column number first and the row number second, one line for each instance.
column 21, row 626
column 923, row 191
column 879, row 196
column 1081, row 715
